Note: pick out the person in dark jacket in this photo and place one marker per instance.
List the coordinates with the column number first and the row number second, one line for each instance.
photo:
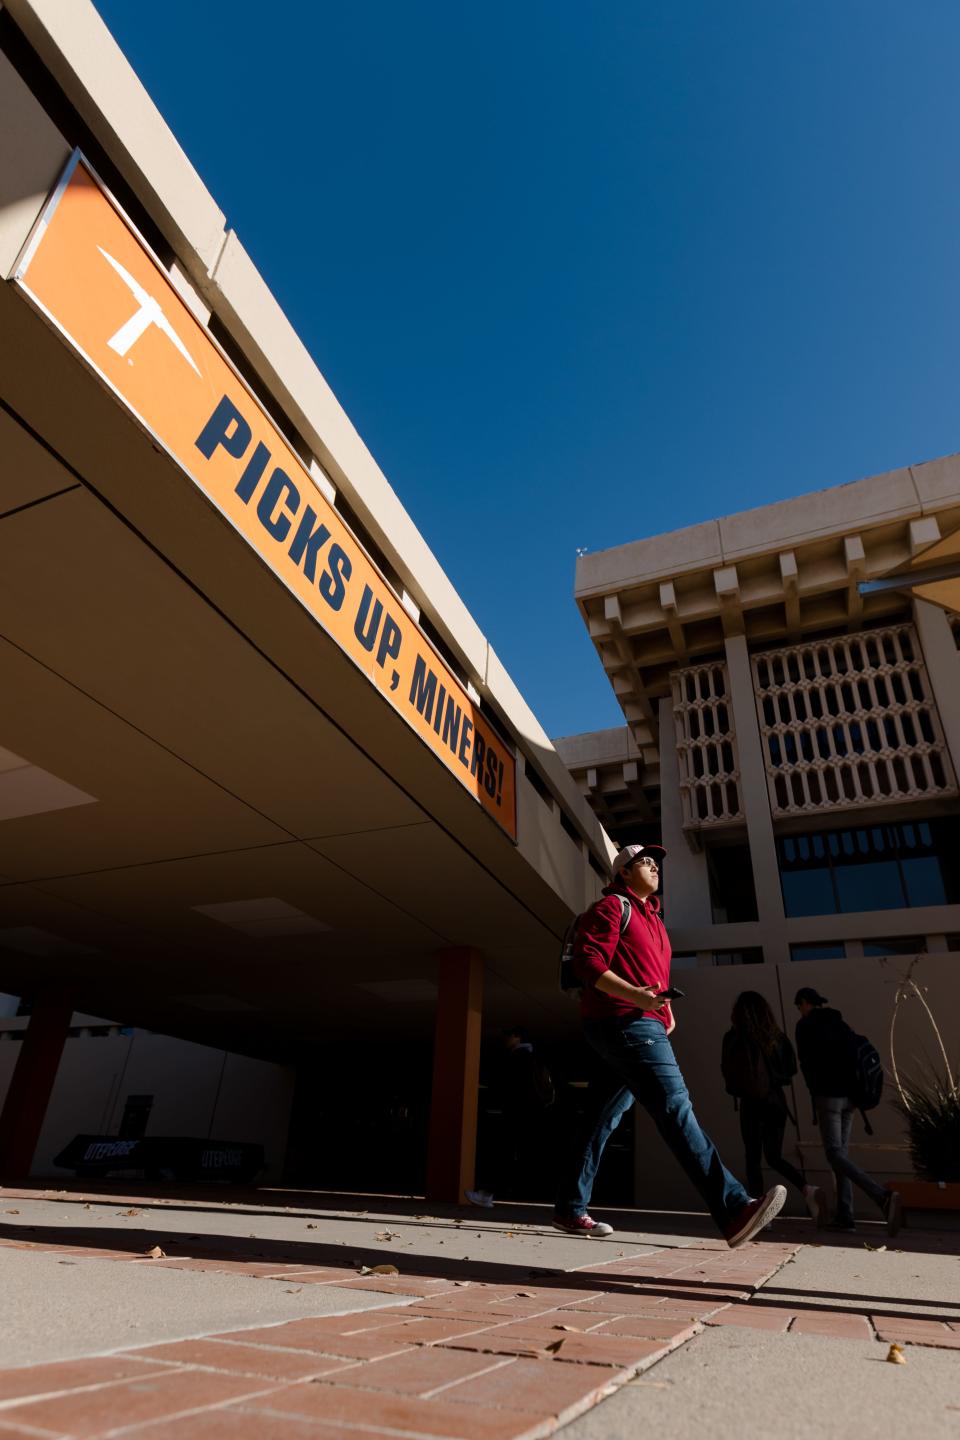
column 525, row 1092
column 757, row 1061
column 628, row 1025
column 825, row 1048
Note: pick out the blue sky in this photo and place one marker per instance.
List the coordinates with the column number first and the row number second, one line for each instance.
column 585, row 272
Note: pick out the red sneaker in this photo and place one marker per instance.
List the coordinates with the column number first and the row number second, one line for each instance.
column 754, row 1216
column 581, row 1225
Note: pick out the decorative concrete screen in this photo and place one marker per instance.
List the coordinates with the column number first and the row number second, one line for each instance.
column 706, row 747
column 850, row 722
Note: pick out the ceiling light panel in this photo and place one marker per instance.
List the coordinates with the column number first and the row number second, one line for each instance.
column 266, row 916
column 26, row 789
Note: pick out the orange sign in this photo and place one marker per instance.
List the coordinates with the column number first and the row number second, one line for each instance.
column 89, row 272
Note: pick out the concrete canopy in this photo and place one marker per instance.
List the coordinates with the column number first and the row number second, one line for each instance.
column 178, row 735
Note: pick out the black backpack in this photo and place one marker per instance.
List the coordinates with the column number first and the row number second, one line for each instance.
column 745, row 1071
column 568, row 979
column 866, row 1071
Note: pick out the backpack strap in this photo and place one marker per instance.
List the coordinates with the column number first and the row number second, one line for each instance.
column 866, row 1123
column 626, row 910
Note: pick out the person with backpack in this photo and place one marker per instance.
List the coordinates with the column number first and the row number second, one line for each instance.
column 526, row 1094
column 624, row 969
column 843, row 1073
column 757, row 1062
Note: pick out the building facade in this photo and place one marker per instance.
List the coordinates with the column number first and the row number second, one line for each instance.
column 796, row 744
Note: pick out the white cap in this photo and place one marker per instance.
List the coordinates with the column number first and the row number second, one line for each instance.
column 629, row 853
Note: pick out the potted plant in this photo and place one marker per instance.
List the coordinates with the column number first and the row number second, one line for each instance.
column 930, row 1104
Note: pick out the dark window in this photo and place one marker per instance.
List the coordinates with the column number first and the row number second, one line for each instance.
column 876, row 867
column 538, row 783
column 808, row 892
column 872, row 886
column 753, row 956
column 896, row 945
column 824, row 950
column 732, row 894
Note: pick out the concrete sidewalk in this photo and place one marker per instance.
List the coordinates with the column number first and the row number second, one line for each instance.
column 267, row 1314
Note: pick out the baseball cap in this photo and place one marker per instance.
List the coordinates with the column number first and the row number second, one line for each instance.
column 629, row 853
column 812, row 997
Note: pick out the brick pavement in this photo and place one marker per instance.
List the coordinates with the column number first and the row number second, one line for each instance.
column 455, row 1356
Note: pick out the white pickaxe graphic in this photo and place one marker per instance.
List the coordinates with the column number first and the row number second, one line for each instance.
column 149, row 314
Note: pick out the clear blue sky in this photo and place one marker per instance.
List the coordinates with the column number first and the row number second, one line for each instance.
column 585, row 272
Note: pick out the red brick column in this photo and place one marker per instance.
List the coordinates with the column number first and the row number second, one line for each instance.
column 451, row 1153
column 31, row 1084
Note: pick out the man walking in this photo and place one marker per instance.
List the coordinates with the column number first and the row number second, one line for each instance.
column 628, row 1026
column 825, row 1051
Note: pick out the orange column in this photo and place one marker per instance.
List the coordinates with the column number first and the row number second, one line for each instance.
column 31, row 1085
column 451, row 1153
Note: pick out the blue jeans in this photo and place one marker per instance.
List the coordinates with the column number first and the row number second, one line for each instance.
column 641, row 1054
column 835, row 1118
column 607, row 1102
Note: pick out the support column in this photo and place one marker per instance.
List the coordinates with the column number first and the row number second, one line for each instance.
column 32, row 1083
column 451, row 1152
column 756, row 803
column 943, row 667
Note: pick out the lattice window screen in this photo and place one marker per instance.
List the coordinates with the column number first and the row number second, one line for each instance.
column 850, row 722
column 706, row 747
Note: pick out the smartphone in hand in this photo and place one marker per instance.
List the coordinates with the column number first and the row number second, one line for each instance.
column 672, row 994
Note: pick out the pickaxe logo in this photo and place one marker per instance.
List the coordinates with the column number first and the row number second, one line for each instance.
column 148, row 314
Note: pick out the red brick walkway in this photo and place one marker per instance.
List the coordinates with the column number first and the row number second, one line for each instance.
column 458, row 1358
column 455, row 1357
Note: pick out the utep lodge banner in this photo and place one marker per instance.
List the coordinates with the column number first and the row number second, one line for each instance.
column 92, row 276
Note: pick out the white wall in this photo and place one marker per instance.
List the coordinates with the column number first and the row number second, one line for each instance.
column 198, row 1091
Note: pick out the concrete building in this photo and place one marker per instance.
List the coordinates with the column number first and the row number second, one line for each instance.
column 265, row 785
column 797, row 745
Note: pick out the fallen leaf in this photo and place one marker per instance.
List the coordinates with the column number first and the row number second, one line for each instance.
column 379, row 1270
column 896, row 1356
column 313, row 1227
column 129, row 1212
column 878, row 1248
column 569, row 1327
column 88, row 1207
column 387, row 1235
column 294, row 1292
column 11, row 1212
column 526, row 1295
column 155, row 1254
